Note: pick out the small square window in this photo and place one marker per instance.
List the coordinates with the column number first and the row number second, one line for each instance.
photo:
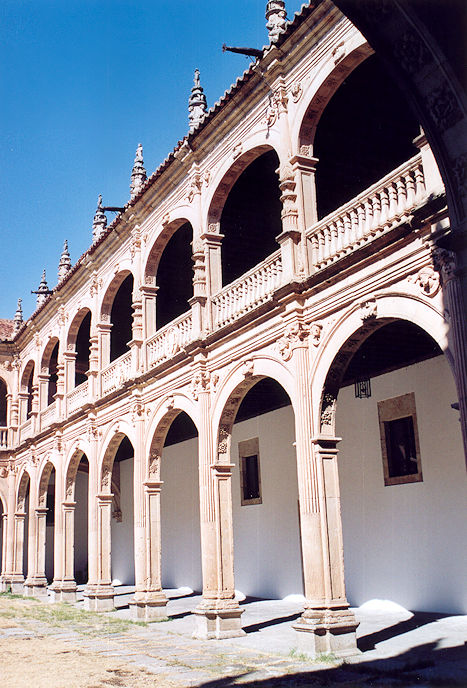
column 250, row 477
column 399, row 440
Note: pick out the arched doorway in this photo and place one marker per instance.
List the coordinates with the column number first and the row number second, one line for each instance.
column 401, row 470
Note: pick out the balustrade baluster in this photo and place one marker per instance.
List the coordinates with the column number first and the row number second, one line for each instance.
column 383, row 218
column 392, row 191
column 361, row 223
column 368, row 209
column 347, row 233
column 410, row 187
column 401, row 197
column 376, row 224
column 419, row 183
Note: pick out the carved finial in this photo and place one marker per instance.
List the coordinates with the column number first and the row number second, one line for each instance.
column 197, row 104
column 276, row 19
column 18, row 319
column 42, row 291
column 138, row 173
column 64, row 265
column 100, row 221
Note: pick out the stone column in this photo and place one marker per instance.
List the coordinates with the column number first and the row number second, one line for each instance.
column 218, row 615
column 212, row 266
column 36, row 584
column 290, row 239
column 149, row 298
column 4, row 548
column 69, row 363
column 64, row 586
column 103, row 332
column 9, row 521
column 445, row 262
column 17, row 577
column 93, row 374
column 327, row 625
column 304, row 167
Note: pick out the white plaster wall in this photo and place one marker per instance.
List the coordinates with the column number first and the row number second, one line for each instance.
column 180, row 522
column 406, row 543
column 81, row 526
column 266, row 536
column 123, row 556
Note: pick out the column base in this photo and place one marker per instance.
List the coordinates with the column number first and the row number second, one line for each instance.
column 99, row 598
column 327, row 631
column 149, row 607
column 63, row 591
column 12, row 583
column 218, row 623
column 36, row 587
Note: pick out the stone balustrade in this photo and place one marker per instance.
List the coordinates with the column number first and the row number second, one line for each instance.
column 118, row 372
column 48, row 415
column 25, row 430
column 77, row 397
column 368, row 215
column 247, row 292
column 169, row 340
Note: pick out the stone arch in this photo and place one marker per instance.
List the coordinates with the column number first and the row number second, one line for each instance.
column 26, row 375
column 24, row 481
column 321, row 90
column 159, row 426
column 71, row 468
column 352, row 329
column 228, row 175
column 26, row 388
column 110, row 292
column 74, row 327
column 3, row 402
column 115, row 435
column 157, row 248
column 44, row 476
column 47, row 353
column 239, row 382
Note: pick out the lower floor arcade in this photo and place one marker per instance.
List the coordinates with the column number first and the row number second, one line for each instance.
column 394, row 509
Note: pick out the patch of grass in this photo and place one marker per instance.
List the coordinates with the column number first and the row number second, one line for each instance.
column 322, row 658
column 10, row 595
column 326, row 658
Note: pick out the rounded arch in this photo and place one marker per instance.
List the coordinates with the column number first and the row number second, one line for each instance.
column 47, row 353
column 350, row 331
column 75, row 455
column 43, row 483
column 74, row 327
column 3, row 501
column 160, row 242
column 112, row 288
column 235, row 387
column 3, row 402
column 24, row 482
column 320, row 91
column 114, row 437
column 228, row 175
column 159, row 426
column 28, row 370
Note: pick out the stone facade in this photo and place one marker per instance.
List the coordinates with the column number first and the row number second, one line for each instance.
column 296, row 317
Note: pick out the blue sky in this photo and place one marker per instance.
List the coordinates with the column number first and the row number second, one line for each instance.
column 82, row 82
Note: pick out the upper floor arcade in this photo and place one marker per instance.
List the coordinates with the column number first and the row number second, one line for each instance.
column 301, row 172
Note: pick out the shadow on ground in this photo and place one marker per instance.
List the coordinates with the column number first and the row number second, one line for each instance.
column 425, row 665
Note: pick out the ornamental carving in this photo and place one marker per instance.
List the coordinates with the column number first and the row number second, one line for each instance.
column 328, row 410
column 427, row 280
column 224, row 434
column 444, row 107
column 247, row 367
column 195, row 186
column 459, row 169
column 306, row 151
column 106, row 478
column 69, row 487
column 62, row 315
column 368, row 309
column 154, row 466
column 445, row 263
column 294, row 335
column 315, row 333
column 411, row 52
column 297, row 91
column 338, row 53
column 237, row 150
column 165, row 220
column 203, row 381
column 137, row 411
column 3, row 472
column 207, row 178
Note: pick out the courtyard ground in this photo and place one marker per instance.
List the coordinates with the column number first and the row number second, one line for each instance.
column 45, row 645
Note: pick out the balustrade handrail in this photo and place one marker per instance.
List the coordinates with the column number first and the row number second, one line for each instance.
column 407, row 166
column 173, row 323
column 272, row 258
column 167, row 341
column 116, row 362
column 75, row 395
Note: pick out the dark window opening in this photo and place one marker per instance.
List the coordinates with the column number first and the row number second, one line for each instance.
column 3, row 404
column 121, row 317
column 365, row 131
column 175, row 277
column 30, row 391
column 125, row 451
column 53, row 375
column 250, row 477
column 82, row 350
column 181, row 429
column 251, row 218
column 400, row 444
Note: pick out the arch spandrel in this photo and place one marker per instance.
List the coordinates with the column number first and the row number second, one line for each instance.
column 322, row 87
column 352, row 328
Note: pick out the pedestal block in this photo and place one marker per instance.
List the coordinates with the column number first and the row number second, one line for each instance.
column 327, row 631
column 63, row 591
column 150, row 607
column 215, row 624
column 36, row 587
column 14, row 584
column 99, row 598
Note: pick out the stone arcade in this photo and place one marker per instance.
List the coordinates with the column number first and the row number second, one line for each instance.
column 186, row 391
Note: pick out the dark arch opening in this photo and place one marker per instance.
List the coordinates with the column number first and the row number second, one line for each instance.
column 29, row 387
column 251, row 218
column 265, row 396
column 53, row 375
column 81, row 522
column 182, row 428
column 122, row 521
column 3, row 403
column 50, row 528
column 82, row 350
column 175, row 277
column 121, row 317
column 365, row 131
